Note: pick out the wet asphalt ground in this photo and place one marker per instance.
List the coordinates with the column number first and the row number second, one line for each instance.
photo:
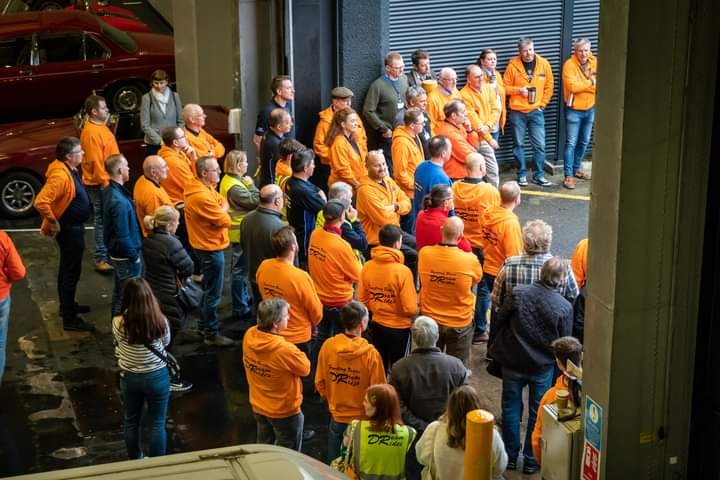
column 59, row 401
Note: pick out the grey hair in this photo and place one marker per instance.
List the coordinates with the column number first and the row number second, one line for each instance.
column 425, row 332
column 337, row 189
column 537, row 237
column 581, row 41
column 201, row 165
column 270, row 312
column 414, row 92
column 553, row 271
column 524, row 41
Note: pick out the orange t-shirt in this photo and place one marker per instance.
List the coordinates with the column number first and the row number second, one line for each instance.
column 501, row 237
column 277, row 278
column 447, row 275
column 471, row 199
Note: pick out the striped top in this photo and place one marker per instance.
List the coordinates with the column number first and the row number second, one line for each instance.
column 137, row 358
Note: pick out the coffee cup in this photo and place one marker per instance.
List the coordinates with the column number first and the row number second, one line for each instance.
column 561, row 402
column 532, row 94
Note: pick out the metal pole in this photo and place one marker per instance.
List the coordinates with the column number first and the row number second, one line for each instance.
column 478, row 445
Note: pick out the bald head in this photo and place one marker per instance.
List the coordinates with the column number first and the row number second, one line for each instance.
column 475, row 165
column 152, row 162
column 190, row 110
column 269, row 195
column 452, row 230
column 510, row 194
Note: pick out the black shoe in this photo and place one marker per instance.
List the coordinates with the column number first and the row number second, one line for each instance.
column 529, row 469
column 308, row 434
column 178, row 385
column 77, row 324
column 79, row 308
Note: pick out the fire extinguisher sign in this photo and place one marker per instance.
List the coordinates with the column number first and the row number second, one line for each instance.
column 592, row 424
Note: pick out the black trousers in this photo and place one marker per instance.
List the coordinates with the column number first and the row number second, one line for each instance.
column 182, row 235
column 392, row 343
column 71, row 240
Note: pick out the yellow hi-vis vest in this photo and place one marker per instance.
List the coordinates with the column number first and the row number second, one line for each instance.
column 380, row 455
column 236, row 216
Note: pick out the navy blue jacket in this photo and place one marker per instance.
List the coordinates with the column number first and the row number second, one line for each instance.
column 121, row 230
column 303, row 205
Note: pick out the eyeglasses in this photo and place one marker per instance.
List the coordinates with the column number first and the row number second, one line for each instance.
column 77, row 152
column 397, row 68
column 212, row 170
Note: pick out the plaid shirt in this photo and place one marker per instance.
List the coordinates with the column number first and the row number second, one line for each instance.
column 525, row 269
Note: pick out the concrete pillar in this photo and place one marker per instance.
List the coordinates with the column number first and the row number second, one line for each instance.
column 654, row 121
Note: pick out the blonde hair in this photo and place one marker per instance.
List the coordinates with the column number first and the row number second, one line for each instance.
column 163, row 216
column 232, row 159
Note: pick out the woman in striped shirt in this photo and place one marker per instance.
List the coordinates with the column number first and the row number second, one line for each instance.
column 144, row 376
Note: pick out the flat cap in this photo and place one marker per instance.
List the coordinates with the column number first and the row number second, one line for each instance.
column 341, row 92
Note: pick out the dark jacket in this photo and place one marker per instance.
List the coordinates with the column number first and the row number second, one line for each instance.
column 269, row 156
column 353, row 233
column 424, row 380
column 303, row 205
column 255, row 232
column 527, row 324
column 166, row 260
column 121, row 230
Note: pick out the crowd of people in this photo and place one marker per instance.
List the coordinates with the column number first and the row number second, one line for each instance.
column 368, row 275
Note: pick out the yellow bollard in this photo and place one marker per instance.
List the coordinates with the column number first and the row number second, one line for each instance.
column 478, row 445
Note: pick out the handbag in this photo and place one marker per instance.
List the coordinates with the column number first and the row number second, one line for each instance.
column 343, row 463
column 189, row 295
column 172, row 364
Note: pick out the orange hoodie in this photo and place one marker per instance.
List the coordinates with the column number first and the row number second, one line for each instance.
column 549, row 397
column 148, row 196
column 463, row 144
column 333, row 267
column 578, row 83
column 56, row 195
column 471, row 200
column 277, row 278
column 387, row 288
column 13, row 269
column 447, row 275
column 372, row 198
column 273, row 367
column 346, row 367
column 321, row 131
column 501, row 237
column 482, row 107
column 99, row 143
column 206, row 217
column 516, row 78
column 407, row 154
column 180, row 172
column 346, row 164
column 204, row 144
column 579, row 262
column 436, row 103
column 500, row 85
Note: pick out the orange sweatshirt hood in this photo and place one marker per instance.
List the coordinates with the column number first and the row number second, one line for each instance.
column 495, row 216
column 263, row 342
column 195, row 187
column 350, row 348
column 387, row 255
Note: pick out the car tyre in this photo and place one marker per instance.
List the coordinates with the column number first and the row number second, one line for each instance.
column 42, row 5
column 126, row 97
column 17, row 194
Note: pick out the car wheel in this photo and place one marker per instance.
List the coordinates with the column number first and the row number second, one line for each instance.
column 17, row 194
column 126, row 98
column 49, row 5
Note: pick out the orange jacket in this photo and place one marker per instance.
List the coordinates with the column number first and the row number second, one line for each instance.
column 436, row 103
column 549, row 397
column 204, row 144
column 447, row 275
column 346, row 164
column 500, row 85
column 333, row 267
column 273, row 367
column 148, row 196
column 372, row 198
column 56, row 195
column 471, row 200
column 13, row 269
column 515, row 78
column 579, row 84
column 206, row 217
column 407, row 154
column 482, row 108
column 501, row 237
column 387, row 288
column 321, row 131
column 180, row 172
column 99, row 143
column 277, row 278
column 463, row 144
column 579, row 262
column 346, row 368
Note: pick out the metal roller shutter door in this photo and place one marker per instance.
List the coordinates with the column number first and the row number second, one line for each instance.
column 455, row 32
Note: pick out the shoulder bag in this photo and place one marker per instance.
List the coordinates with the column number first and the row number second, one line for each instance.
column 189, row 295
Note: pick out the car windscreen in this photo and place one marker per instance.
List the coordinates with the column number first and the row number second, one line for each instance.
column 122, row 39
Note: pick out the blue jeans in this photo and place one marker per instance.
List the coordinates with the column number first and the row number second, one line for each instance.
column 578, row 128
column 335, row 437
column 286, row 432
column 482, row 303
column 125, row 269
column 95, row 194
column 241, row 302
column 136, row 389
column 212, row 265
column 512, row 409
column 4, row 317
column 534, row 122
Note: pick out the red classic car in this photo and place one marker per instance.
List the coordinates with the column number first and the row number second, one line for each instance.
column 26, row 149
column 51, row 61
